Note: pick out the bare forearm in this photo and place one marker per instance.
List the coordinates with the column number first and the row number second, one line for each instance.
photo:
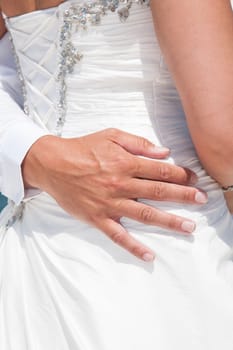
column 2, row 26
column 196, row 38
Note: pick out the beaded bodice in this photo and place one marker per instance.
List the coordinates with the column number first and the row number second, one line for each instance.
column 87, row 66
column 78, row 16
column 58, row 54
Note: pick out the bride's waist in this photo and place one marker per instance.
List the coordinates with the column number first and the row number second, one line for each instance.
column 43, row 211
column 132, row 111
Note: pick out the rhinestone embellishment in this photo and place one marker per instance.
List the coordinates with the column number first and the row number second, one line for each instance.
column 15, row 215
column 76, row 17
column 69, row 56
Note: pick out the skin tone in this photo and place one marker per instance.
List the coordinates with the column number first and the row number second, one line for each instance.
column 15, row 7
column 203, row 55
column 97, row 178
column 2, row 27
column 68, row 168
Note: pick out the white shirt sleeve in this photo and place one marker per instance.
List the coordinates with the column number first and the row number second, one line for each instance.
column 17, row 131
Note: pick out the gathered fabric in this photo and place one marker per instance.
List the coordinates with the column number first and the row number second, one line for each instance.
column 63, row 284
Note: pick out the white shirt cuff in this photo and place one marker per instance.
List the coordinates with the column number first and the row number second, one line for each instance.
column 15, row 144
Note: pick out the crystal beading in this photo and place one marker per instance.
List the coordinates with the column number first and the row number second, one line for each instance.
column 76, row 17
column 16, row 214
column 69, row 56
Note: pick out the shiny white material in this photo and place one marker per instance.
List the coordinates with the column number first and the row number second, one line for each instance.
column 17, row 133
column 66, row 286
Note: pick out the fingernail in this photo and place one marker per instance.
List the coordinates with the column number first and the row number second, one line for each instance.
column 193, row 179
column 148, row 257
column 161, row 150
column 201, row 198
column 188, row 226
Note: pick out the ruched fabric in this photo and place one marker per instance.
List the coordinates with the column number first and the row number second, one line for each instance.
column 63, row 284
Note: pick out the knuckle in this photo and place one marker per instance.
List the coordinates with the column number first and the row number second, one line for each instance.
column 115, row 183
column 174, row 223
column 118, row 208
column 143, row 143
column 118, row 238
column 136, row 250
column 146, row 214
column 159, row 191
column 165, row 172
column 132, row 165
column 112, row 132
column 188, row 195
column 126, row 166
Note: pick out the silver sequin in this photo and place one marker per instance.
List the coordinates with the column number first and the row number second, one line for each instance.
column 15, row 215
column 76, row 17
column 68, row 57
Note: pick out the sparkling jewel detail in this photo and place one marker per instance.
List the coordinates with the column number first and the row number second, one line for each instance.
column 20, row 75
column 15, row 215
column 76, row 17
column 69, row 56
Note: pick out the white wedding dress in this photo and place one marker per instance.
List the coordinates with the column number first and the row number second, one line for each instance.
column 63, row 284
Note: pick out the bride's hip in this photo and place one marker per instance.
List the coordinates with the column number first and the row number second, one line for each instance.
column 43, row 214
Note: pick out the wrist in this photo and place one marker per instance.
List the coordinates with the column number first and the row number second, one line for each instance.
column 37, row 160
column 229, row 199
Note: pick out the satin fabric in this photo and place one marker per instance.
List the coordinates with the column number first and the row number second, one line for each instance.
column 64, row 284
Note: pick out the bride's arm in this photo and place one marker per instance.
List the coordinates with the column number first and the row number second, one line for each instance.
column 2, row 26
column 196, row 38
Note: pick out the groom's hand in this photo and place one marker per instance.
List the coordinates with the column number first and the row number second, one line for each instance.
column 99, row 177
